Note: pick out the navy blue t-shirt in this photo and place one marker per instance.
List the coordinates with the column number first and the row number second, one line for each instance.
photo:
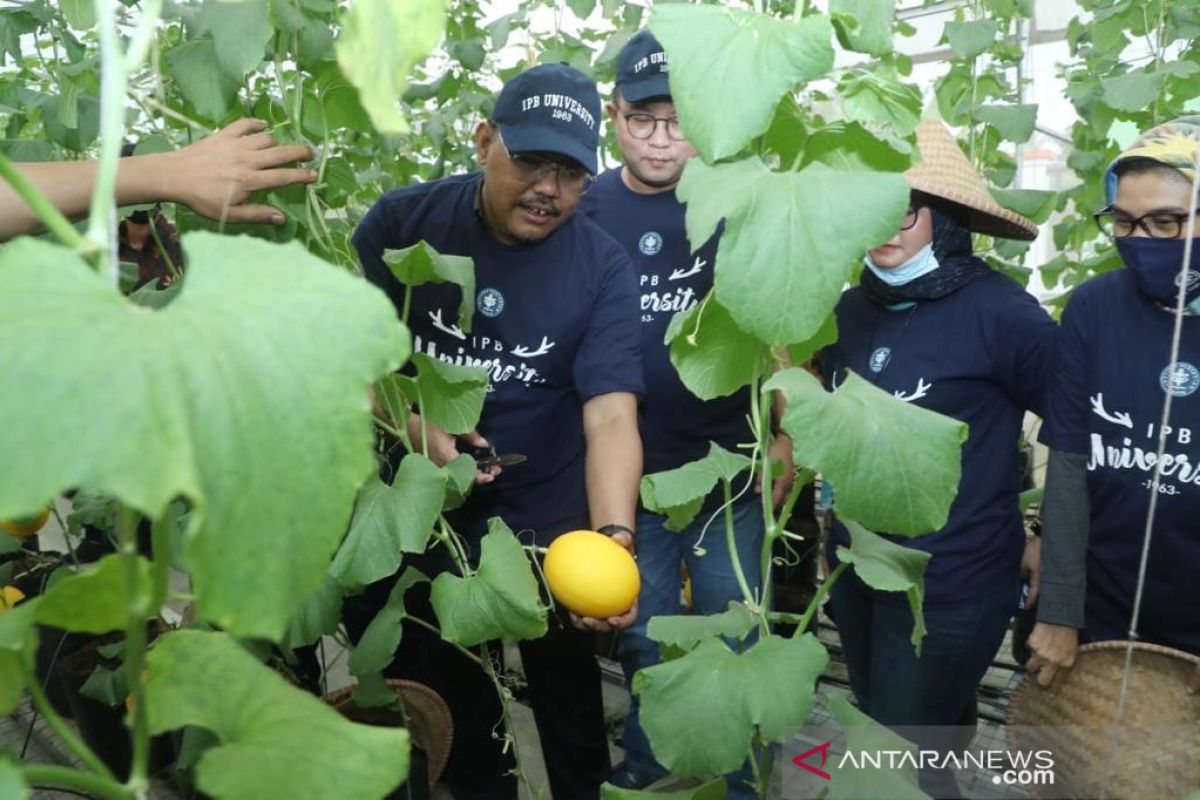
column 978, row 355
column 555, row 324
column 676, row 425
column 1109, row 380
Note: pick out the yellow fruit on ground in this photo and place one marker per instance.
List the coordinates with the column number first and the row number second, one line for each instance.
column 591, row 574
column 10, row 596
column 25, row 526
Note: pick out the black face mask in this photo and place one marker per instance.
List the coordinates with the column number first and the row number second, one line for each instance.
column 1156, row 266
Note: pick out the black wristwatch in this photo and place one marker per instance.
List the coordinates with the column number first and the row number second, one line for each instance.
column 610, row 529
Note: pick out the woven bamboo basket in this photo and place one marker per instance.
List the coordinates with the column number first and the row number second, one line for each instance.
column 1153, row 754
column 429, row 722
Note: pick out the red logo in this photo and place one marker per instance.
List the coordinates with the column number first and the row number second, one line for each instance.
column 800, row 760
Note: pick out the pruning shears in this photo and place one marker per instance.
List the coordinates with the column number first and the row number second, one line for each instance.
column 487, row 457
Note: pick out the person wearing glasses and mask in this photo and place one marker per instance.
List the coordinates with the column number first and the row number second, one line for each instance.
column 636, row 203
column 931, row 324
column 554, row 321
column 1112, row 373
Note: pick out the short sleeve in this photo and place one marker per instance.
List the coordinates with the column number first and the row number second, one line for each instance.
column 609, row 358
column 1066, row 417
column 373, row 235
column 1023, row 344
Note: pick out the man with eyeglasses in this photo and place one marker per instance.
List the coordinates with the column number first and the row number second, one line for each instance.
column 1113, row 372
column 636, row 203
column 555, row 324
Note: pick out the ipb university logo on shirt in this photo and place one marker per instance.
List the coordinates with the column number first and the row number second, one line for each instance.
column 880, row 358
column 650, row 243
column 490, row 302
column 1183, row 381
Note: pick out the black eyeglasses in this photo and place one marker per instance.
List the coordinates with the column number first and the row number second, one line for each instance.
column 643, row 126
column 534, row 169
column 1116, row 224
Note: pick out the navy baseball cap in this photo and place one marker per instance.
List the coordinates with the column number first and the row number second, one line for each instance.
column 642, row 69
column 551, row 108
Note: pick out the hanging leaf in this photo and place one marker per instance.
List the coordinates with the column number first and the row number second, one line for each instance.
column 96, row 600
column 688, row 630
column 770, row 686
column 188, row 403
column 878, row 97
column 864, row 26
column 713, row 356
column 196, row 71
column 421, row 264
column 1133, row 91
column 500, row 601
column 377, row 647
column 889, row 567
column 970, row 39
column 851, row 147
column 274, row 740
column 319, row 615
column 894, row 466
column 381, row 41
column 240, row 32
column 389, row 521
column 1014, row 122
column 1036, row 204
column 679, row 493
column 451, row 396
column 791, row 239
column 864, row 782
column 723, row 58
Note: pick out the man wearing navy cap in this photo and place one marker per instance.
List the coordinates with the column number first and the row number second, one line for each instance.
column 555, row 323
column 636, row 203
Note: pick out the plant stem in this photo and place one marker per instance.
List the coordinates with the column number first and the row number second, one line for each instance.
column 731, row 543
column 102, row 220
column 434, row 628
column 93, row 785
column 59, row 727
column 135, row 646
column 815, row 603
column 50, row 216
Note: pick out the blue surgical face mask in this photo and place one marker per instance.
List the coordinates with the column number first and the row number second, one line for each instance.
column 923, row 263
column 1155, row 265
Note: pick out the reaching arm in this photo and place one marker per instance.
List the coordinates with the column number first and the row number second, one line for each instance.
column 213, row 177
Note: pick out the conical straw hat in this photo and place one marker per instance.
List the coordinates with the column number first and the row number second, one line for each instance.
column 945, row 172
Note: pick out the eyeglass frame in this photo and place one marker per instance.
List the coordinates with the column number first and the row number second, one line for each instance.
column 666, row 121
column 1109, row 211
column 915, row 210
column 541, row 167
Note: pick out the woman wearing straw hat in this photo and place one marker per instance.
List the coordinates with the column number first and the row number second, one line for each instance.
column 932, row 324
column 1112, row 372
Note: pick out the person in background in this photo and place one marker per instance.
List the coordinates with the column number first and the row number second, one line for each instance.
column 636, row 203
column 1112, row 374
column 933, row 325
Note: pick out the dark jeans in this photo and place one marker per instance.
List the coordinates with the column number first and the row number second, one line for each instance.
column 899, row 689
column 564, row 691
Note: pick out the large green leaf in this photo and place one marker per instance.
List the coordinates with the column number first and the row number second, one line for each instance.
column 1014, row 122
column 391, row 520
column 889, row 567
column 679, row 493
column 451, row 396
column 894, row 466
column 685, row 631
column 854, row 781
column 851, row 147
column 791, row 239
column 969, row 39
column 1036, row 204
column 80, row 14
column 864, row 26
column 713, row 356
column 420, row 264
column 724, row 58
column 379, row 641
column 878, row 97
column 228, row 396
column 719, row 697
column 195, row 69
column 499, row 601
column 381, row 41
column 95, row 600
column 275, row 740
column 1133, row 91
column 240, row 32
